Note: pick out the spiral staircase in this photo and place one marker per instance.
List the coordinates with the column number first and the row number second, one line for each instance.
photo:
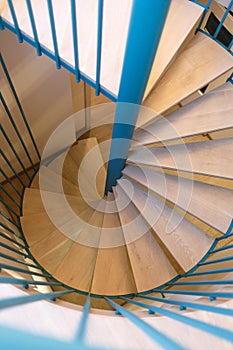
column 147, row 264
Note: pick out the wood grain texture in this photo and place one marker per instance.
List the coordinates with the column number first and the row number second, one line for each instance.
column 185, row 241
column 209, row 113
column 201, row 62
column 149, row 264
column 179, row 29
column 197, row 199
column 207, row 158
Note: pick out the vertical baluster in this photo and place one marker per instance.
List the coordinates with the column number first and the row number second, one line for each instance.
column 12, row 168
column 19, row 104
column 83, row 322
column 223, row 19
column 10, row 182
column 16, row 129
column 17, row 30
column 33, row 24
column 99, row 45
column 54, row 35
column 1, row 24
column 14, row 151
column 10, row 196
column 8, row 219
column 75, row 38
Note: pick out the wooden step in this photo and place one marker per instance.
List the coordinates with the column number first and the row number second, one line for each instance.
column 206, row 158
column 39, row 225
column 48, row 180
column 33, row 202
column 66, row 167
column 210, row 204
column 201, row 62
column 186, row 242
column 76, row 269
column 113, row 274
column 181, row 23
column 209, row 113
column 51, row 250
column 88, row 159
column 150, row 265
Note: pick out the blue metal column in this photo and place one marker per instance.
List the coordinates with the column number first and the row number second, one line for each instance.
column 145, row 28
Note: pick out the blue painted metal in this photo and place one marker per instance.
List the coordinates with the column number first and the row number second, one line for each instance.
column 230, row 246
column 217, row 41
column 18, row 340
column 223, row 19
column 1, row 24
column 16, row 129
column 9, row 219
column 230, row 229
column 2, row 234
column 9, row 181
column 7, row 303
column 10, row 258
column 83, row 323
column 33, row 24
column 160, row 338
column 75, row 39
column 64, row 64
column 17, row 30
column 6, row 246
column 18, row 269
column 216, row 261
column 24, row 282
column 99, row 45
column 13, row 90
column 195, row 292
column 9, row 208
column 191, row 305
column 13, row 170
column 230, row 45
column 54, row 35
column 201, row 283
column 10, row 230
column 214, row 330
column 9, row 196
column 207, row 6
column 211, row 272
column 142, row 42
column 14, row 151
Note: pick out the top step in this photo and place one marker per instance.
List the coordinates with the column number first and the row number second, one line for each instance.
column 200, row 63
column 182, row 20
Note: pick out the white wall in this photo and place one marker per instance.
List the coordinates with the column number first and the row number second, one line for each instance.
column 43, row 90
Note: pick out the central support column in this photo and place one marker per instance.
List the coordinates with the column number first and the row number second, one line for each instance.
column 145, row 28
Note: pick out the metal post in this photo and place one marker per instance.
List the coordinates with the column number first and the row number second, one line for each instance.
column 145, row 28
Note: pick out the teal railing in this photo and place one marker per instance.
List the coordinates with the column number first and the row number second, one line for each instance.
column 22, row 259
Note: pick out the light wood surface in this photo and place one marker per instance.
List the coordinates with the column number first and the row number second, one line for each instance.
column 201, row 62
column 77, row 268
column 145, row 255
column 179, row 29
column 113, row 273
column 208, row 158
column 185, row 241
column 211, row 112
column 196, row 198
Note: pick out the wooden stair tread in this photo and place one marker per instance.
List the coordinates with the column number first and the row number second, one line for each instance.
column 196, row 198
column 201, row 62
column 48, row 180
column 185, row 241
column 88, row 159
column 112, row 274
column 207, row 158
column 77, row 267
column 66, row 167
column 50, row 251
column 182, row 20
column 149, row 264
column 33, row 202
column 209, row 113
